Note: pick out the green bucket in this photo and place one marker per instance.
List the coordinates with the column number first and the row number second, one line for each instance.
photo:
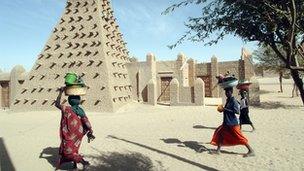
column 70, row 78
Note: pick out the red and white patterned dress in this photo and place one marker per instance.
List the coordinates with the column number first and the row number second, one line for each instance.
column 72, row 130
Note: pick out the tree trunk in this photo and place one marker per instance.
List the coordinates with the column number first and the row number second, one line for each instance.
column 294, row 90
column 280, row 78
column 299, row 83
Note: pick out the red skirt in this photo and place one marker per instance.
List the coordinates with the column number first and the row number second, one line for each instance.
column 228, row 136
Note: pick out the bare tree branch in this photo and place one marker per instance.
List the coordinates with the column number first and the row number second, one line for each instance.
column 292, row 30
column 273, row 45
column 296, row 68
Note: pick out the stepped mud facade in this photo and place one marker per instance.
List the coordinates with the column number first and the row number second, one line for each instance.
column 87, row 41
column 187, row 71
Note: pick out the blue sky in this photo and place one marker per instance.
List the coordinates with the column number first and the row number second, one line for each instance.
column 25, row 26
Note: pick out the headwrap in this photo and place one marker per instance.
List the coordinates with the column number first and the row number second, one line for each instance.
column 74, row 101
column 228, row 89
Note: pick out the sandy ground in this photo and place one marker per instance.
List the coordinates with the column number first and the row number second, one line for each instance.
column 141, row 137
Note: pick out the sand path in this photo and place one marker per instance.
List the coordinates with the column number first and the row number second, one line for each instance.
column 162, row 137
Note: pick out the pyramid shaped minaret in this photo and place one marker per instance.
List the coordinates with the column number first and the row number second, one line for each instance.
column 86, row 41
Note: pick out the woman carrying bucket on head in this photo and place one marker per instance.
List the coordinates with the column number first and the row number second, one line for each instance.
column 243, row 87
column 74, row 123
column 244, row 116
column 229, row 133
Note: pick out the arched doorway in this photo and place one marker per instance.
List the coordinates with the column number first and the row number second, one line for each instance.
column 4, row 94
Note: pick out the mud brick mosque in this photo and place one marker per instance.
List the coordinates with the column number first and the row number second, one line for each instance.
column 87, row 41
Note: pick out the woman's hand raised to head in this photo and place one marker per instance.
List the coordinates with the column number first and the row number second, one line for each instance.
column 61, row 89
column 58, row 100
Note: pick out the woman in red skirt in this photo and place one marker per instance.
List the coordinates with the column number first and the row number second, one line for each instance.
column 73, row 126
column 229, row 133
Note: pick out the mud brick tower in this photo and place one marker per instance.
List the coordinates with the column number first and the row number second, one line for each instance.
column 86, row 41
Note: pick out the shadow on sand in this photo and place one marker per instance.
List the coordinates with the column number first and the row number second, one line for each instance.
column 194, row 145
column 114, row 161
column 51, row 155
column 203, row 127
column 264, row 92
column 275, row 105
column 177, row 157
column 6, row 163
column 106, row 161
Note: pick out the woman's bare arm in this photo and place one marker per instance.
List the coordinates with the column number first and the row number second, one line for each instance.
column 58, row 100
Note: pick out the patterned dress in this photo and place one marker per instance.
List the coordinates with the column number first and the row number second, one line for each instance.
column 72, row 129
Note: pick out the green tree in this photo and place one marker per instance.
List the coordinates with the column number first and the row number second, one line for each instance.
column 274, row 23
column 266, row 58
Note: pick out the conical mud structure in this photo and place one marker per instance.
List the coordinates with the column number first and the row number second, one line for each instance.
column 86, row 41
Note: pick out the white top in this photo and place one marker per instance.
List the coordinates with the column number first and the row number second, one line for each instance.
column 243, row 103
